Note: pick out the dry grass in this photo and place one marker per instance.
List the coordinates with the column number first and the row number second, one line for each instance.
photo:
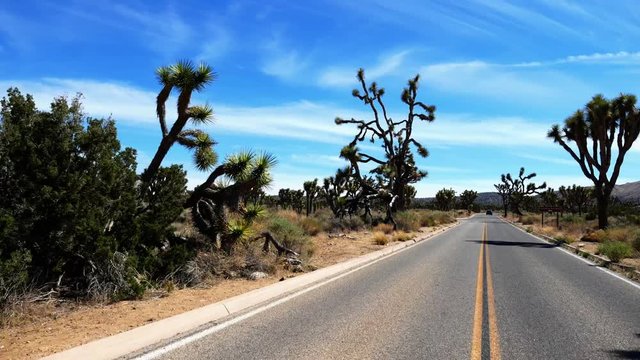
column 380, row 238
column 401, row 236
column 383, row 228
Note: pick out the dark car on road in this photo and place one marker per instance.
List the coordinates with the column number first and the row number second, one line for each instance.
column 489, row 212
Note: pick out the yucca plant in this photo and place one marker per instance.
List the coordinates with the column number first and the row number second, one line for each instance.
column 186, row 77
column 241, row 176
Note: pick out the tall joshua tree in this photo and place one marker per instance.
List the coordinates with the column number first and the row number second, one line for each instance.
column 396, row 168
column 593, row 130
column 186, row 78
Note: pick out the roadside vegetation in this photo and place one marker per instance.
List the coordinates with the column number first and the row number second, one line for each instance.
column 620, row 241
column 80, row 222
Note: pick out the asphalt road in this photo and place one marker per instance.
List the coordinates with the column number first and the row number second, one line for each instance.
column 481, row 290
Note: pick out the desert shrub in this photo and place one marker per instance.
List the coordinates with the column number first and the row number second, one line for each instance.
column 255, row 260
column 590, row 216
column 443, row 217
column 529, row 229
column 380, row 238
column 14, row 275
column 573, row 219
column 384, row 228
column 287, row 232
column 427, row 219
column 327, row 221
column 619, row 234
column 408, row 220
column 615, row 250
column 401, row 236
column 116, row 279
column 311, row 226
column 529, row 219
column 635, row 243
column 595, row 236
column 352, row 223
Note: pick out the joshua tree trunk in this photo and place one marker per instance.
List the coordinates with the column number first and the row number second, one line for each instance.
column 602, row 196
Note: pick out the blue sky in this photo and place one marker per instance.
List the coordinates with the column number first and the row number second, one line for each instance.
column 500, row 73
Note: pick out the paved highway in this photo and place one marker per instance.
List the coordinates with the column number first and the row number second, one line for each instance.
column 483, row 290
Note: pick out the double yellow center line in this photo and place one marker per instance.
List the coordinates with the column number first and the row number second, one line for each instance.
column 494, row 336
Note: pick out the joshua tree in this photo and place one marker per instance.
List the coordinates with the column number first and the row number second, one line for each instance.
column 288, row 198
column 467, row 198
column 240, row 176
column 593, row 130
column 187, row 78
column 576, row 198
column 338, row 189
column 549, row 198
column 396, row 168
column 519, row 190
column 225, row 191
column 311, row 190
column 504, row 190
column 445, row 199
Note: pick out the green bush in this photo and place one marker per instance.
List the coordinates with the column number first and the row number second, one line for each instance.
column 590, row 216
column 288, row 233
column 615, row 250
column 408, row 220
column 311, row 226
column 352, row 223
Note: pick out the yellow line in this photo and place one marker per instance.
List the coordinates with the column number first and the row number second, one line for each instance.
column 476, row 339
column 494, row 336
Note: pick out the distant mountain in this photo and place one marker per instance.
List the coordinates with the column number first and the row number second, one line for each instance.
column 629, row 192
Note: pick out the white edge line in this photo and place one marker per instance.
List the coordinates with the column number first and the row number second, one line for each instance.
column 610, row 272
column 199, row 335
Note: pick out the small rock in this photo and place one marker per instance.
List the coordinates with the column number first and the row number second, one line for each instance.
column 256, row 275
column 281, row 279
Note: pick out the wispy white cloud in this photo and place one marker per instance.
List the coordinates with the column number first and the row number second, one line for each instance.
column 280, row 60
column 525, row 17
column 346, row 76
column 505, row 83
column 303, row 120
column 609, row 58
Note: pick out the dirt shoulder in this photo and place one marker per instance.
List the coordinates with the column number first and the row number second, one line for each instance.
column 47, row 328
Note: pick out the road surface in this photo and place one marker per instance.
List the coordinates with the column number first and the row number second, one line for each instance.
column 483, row 290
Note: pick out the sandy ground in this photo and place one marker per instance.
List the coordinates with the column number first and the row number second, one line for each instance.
column 46, row 328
